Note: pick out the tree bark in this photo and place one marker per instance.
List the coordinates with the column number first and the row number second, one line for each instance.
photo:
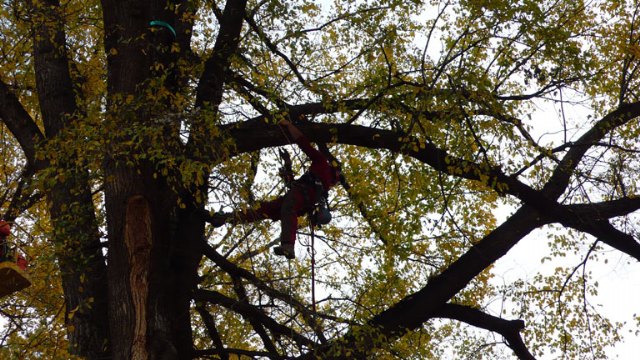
column 75, row 232
column 154, row 244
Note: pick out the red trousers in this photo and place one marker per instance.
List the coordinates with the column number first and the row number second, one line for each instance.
column 298, row 201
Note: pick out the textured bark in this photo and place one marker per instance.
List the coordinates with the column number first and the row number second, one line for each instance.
column 152, row 267
column 130, row 190
column 75, row 231
column 138, row 239
column 152, row 277
column 121, row 311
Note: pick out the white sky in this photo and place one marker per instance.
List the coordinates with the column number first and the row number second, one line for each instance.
column 618, row 279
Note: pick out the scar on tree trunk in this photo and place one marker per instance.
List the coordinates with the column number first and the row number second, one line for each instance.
column 138, row 242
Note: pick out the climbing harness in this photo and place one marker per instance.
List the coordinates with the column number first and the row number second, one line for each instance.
column 320, row 213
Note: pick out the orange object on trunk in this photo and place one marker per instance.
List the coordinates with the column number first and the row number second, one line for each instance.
column 5, row 228
column 12, row 278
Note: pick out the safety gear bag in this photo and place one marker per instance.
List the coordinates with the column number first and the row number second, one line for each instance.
column 321, row 215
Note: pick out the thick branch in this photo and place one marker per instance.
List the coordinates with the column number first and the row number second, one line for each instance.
column 606, row 209
column 414, row 310
column 609, row 235
column 28, row 135
column 18, row 121
column 215, row 69
column 53, row 80
column 561, row 176
column 594, row 219
column 255, row 136
column 509, row 329
column 78, row 248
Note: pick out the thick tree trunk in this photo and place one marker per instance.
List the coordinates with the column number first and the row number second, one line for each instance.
column 152, row 267
column 82, row 266
column 75, row 232
column 152, row 242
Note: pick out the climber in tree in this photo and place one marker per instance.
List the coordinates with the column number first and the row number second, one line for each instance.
column 6, row 252
column 12, row 265
column 304, row 193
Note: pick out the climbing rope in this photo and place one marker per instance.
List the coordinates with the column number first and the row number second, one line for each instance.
column 313, row 268
column 291, row 311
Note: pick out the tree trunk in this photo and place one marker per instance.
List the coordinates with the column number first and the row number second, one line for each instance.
column 153, row 258
column 153, row 253
column 154, row 245
column 75, row 231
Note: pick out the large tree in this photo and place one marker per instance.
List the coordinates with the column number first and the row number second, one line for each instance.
column 126, row 124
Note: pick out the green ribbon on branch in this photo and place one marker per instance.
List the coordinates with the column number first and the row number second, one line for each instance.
column 164, row 25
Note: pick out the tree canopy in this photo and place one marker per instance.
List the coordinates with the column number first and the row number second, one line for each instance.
column 126, row 125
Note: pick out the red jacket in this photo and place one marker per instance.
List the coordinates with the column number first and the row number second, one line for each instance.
column 320, row 166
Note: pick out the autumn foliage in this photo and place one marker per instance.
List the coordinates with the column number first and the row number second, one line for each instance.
column 462, row 128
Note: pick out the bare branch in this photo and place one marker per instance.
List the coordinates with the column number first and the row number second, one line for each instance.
column 509, row 329
column 250, row 311
column 236, row 271
column 273, row 48
column 18, row 121
column 257, row 327
column 213, row 331
column 412, row 311
column 561, row 176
